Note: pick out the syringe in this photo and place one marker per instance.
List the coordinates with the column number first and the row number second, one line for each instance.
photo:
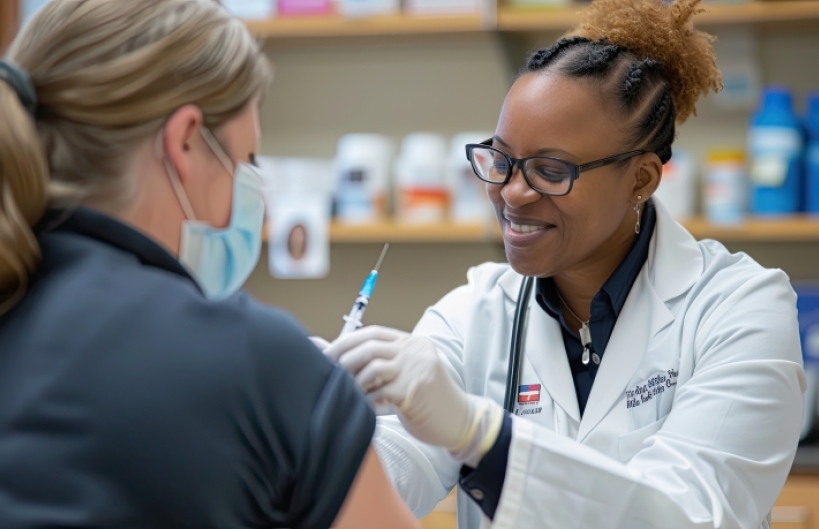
column 353, row 320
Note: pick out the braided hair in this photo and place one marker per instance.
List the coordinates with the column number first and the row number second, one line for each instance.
column 646, row 56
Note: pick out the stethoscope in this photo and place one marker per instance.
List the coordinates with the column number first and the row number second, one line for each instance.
column 516, row 346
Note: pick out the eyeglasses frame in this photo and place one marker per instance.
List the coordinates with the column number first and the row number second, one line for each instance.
column 519, row 163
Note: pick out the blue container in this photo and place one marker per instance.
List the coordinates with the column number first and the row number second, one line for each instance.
column 812, row 155
column 775, row 150
column 807, row 303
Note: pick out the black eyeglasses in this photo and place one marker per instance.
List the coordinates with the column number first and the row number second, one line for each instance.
column 544, row 174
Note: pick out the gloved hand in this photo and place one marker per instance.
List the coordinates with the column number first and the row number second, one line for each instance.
column 319, row 342
column 409, row 372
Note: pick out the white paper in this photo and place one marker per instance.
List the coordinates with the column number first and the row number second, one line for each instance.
column 299, row 243
column 298, row 196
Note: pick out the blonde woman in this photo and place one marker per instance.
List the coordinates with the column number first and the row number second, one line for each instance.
column 136, row 389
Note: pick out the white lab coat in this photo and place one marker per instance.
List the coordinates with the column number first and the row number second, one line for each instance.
column 711, row 336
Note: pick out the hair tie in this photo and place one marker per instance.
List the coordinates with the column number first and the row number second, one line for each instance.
column 21, row 83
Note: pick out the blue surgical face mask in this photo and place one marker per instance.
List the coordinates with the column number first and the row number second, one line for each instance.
column 221, row 259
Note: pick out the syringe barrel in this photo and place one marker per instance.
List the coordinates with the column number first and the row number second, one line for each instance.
column 353, row 320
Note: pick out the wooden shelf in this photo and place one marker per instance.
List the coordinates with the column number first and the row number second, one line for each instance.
column 531, row 19
column 335, row 26
column 790, row 229
column 798, row 229
column 517, row 19
column 513, row 20
column 761, row 12
column 429, row 233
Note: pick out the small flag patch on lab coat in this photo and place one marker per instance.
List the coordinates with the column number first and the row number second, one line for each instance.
column 530, row 393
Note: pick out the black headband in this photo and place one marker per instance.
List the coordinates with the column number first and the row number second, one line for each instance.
column 21, row 83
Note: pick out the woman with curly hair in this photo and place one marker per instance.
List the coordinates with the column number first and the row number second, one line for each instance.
column 661, row 379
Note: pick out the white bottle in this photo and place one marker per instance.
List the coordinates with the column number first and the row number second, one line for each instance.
column 469, row 201
column 678, row 186
column 251, row 9
column 726, row 187
column 363, row 174
column 420, row 179
column 442, row 7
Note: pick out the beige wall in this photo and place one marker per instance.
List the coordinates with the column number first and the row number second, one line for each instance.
column 448, row 85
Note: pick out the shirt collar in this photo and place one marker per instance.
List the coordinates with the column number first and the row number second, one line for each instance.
column 619, row 284
column 93, row 224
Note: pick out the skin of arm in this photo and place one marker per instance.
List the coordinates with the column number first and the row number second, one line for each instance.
column 372, row 502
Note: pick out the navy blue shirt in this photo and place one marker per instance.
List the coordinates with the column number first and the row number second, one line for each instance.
column 485, row 483
column 128, row 400
column 605, row 309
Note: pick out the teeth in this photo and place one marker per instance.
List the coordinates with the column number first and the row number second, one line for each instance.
column 523, row 228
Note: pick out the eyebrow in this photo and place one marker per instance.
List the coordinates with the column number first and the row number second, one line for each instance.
column 546, row 151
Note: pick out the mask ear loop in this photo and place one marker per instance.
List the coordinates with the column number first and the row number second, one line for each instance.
column 176, row 183
column 217, row 149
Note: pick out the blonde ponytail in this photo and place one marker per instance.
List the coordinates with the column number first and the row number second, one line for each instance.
column 23, row 189
column 106, row 75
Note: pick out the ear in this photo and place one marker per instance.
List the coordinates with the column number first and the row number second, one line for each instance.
column 179, row 131
column 648, row 176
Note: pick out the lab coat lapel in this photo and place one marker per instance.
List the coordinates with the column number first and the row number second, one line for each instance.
column 674, row 264
column 642, row 317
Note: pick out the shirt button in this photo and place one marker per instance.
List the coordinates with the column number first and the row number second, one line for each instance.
column 596, row 359
column 477, row 494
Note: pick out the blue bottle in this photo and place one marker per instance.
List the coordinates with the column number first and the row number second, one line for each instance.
column 775, row 149
column 812, row 155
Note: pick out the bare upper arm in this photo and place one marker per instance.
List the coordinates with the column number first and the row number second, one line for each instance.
column 372, row 502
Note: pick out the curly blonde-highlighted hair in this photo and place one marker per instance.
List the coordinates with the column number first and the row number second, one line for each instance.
column 646, row 57
column 651, row 29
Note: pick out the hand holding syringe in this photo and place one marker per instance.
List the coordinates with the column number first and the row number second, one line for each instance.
column 353, row 320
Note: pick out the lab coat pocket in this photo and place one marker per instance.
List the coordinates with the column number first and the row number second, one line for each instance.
column 632, row 442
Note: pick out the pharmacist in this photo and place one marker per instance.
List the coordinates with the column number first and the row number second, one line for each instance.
column 659, row 381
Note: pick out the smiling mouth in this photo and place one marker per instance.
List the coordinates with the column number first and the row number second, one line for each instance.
column 525, row 228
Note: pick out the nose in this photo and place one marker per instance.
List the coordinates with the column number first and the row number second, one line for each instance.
column 517, row 193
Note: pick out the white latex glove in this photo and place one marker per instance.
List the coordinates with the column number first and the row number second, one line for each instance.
column 409, row 372
column 319, row 342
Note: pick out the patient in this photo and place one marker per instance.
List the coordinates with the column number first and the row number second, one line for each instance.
column 138, row 389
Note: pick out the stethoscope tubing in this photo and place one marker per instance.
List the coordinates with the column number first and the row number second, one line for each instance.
column 516, row 346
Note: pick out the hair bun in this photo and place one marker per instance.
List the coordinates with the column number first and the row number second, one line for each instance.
column 663, row 32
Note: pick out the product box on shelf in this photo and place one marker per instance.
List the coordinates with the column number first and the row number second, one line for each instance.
column 539, row 3
column 442, row 7
column 304, row 7
column 365, row 8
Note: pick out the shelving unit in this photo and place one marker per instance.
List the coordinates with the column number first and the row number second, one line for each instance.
column 430, row 233
column 751, row 13
column 334, row 26
column 793, row 229
column 514, row 20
